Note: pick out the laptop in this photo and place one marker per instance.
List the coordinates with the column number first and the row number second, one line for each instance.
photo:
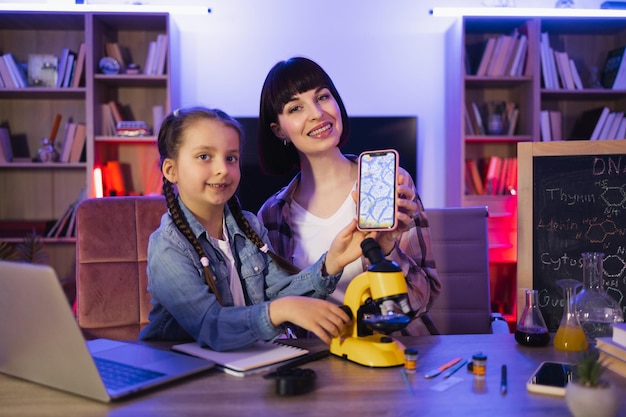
column 40, row 341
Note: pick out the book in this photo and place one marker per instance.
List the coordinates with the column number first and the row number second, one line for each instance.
column 612, row 64
column 161, row 55
column 475, row 176
column 69, row 69
column 79, row 70
column 486, row 57
column 619, row 333
column 621, row 130
column 556, row 123
column 260, row 357
column 5, row 144
column 6, row 75
column 68, row 138
column 517, row 65
column 606, row 344
column 114, row 51
column 606, row 125
column 613, row 363
column 564, row 70
column 544, row 125
column 150, row 57
column 600, row 124
column 575, row 75
column 18, row 77
column 617, row 120
column 78, row 143
column 62, row 64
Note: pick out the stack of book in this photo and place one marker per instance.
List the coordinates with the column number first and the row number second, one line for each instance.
column 613, row 349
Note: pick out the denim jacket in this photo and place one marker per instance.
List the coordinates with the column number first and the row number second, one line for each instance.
column 183, row 307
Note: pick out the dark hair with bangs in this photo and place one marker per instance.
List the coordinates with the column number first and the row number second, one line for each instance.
column 286, row 79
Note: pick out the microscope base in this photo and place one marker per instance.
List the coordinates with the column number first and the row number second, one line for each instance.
column 376, row 351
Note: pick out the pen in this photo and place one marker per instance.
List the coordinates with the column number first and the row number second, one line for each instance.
column 442, row 368
column 406, row 381
column 503, row 384
column 455, row 368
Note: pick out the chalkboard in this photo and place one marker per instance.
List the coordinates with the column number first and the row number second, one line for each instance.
column 577, row 204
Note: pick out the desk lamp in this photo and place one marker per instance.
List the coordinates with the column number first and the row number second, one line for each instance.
column 377, row 301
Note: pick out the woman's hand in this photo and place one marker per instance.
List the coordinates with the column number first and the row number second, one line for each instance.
column 345, row 248
column 407, row 210
column 320, row 317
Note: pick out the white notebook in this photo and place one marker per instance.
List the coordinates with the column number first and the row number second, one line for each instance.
column 260, row 357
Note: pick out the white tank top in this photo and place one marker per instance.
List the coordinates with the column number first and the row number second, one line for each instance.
column 313, row 236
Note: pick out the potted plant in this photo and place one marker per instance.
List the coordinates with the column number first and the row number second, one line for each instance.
column 588, row 394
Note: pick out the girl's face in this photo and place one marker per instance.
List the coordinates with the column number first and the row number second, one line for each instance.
column 311, row 120
column 206, row 171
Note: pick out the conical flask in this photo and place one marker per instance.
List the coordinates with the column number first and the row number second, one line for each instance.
column 596, row 310
column 531, row 328
column 570, row 335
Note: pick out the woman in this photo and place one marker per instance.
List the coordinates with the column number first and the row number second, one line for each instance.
column 303, row 124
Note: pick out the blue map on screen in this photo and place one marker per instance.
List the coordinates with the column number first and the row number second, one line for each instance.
column 377, row 191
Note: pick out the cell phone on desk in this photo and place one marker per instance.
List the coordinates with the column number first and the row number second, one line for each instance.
column 376, row 202
column 551, row 378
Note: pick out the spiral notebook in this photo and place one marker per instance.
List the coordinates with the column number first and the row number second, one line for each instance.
column 260, row 357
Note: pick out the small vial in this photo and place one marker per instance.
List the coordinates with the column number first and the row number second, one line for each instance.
column 479, row 366
column 410, row 360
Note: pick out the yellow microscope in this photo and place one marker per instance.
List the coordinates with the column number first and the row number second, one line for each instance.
column 377, row 301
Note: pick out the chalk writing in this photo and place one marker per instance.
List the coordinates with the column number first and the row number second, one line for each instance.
column 578, row 206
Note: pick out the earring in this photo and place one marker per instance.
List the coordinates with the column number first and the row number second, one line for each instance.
column 284, row 142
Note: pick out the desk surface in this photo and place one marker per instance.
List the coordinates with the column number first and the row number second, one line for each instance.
column 343, row 389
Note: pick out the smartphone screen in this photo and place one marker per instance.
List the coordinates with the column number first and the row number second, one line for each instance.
column 550, row 378
column 376, row 203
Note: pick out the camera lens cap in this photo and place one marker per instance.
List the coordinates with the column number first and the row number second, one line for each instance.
column 293, row 381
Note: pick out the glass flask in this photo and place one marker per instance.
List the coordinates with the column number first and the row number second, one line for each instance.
column 570, row 335
column 531, row 328
column 596, row 310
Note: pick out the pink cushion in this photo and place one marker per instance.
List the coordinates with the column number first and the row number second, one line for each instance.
column 111, row 250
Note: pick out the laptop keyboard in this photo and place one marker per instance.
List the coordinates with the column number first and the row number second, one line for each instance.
column 117, row 375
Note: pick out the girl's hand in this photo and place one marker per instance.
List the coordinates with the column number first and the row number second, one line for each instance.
column 345, row 248
column 407, row 211
column 320, row 317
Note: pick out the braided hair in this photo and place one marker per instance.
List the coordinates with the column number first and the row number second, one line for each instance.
column 169, row 142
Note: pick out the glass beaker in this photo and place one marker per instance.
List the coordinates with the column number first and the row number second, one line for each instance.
column 595, row 308
column 531, row 329
column 570, row 335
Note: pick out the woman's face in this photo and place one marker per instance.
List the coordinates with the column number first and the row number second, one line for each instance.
column 311, row 121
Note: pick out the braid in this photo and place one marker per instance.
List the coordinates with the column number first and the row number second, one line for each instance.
column 243, row 224
column 181, row 223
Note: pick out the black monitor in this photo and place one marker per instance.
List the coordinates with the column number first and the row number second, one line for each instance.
column 366, row 133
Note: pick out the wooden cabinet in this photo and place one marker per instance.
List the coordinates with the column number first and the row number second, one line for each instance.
column 587, row 41
column 35, row 192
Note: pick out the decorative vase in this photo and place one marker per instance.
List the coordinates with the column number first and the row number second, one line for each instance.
column 584, row 401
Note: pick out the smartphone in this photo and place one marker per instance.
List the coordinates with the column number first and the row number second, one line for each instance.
column 550, row 378
column 376, row 203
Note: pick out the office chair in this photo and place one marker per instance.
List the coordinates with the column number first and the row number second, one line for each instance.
column 112, row 299
column 460, row 246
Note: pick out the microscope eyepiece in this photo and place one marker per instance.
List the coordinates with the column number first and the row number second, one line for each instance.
column 371, row 250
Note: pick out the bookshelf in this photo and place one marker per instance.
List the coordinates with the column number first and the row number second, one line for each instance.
column 36, row 192
column 587, row 41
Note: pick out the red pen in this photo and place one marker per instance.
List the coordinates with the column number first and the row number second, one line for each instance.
column 442, row 368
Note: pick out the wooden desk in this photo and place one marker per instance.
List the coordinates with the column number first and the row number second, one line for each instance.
column 343, row 389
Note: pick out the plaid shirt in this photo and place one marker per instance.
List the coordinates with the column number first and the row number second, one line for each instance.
column 413, row 253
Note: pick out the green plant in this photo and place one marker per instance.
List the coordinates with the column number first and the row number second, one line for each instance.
column 589, row 368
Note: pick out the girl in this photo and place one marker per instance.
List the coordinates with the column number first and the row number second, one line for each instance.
column 303, row 123
column 211, row 275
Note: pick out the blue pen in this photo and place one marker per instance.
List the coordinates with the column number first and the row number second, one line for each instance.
column 503, row 383
column 406, row 381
